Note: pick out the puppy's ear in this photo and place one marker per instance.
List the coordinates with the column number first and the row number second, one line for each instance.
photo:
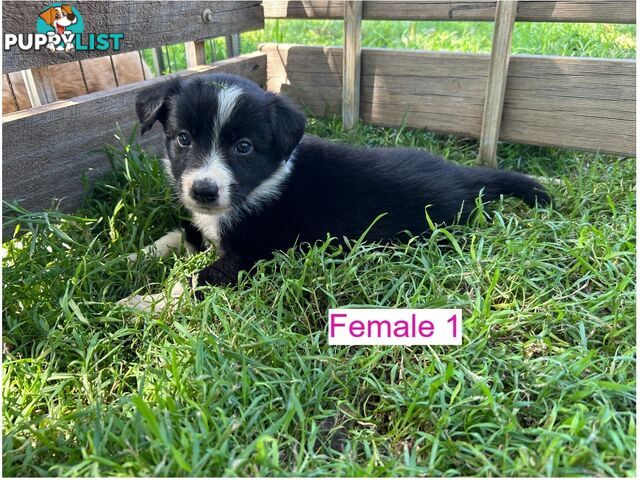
column 48, row 15
column 67, row 9
column 151, row 103
column 288, row 124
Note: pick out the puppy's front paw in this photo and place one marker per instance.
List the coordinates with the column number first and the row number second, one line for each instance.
column 171, row 242
column 69, row 47
column 156, row 302
column 51, row 47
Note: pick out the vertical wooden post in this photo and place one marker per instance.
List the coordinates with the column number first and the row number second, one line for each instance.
column 113, row 70
column 212, row 45
column 158, row 59
column 39, row 86
column 142, row 69
column 497, row 80
column 195, row 53
column 84, row 77
column 351, row 63
column 233, row 45
column 169, row 66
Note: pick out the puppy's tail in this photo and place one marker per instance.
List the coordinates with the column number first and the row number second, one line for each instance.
column 500, row 182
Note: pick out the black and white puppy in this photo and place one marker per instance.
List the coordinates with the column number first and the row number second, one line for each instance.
column 240, row 163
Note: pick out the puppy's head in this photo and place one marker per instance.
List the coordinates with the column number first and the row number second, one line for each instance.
column 59, row 17
column 225, row 136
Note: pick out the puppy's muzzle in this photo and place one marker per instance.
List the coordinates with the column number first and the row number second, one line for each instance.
column 205, row 192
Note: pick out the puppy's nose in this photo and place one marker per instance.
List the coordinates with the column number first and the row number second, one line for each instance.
column 71, row 16
column 204, row 191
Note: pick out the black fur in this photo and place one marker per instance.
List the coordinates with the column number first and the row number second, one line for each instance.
column 331, row 188
column 193, row 236
column 341, row 190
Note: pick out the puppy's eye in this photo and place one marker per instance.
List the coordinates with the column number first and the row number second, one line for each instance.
column 184, row 140
column 243, row 147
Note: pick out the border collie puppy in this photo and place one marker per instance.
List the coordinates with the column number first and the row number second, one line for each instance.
column 254, row 183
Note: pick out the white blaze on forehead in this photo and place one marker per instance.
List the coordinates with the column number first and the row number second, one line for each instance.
column 215, row 168
column 227, row 99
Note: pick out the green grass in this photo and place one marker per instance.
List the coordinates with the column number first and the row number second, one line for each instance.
column 568, row 39
column 244, row 383
column 594, row 40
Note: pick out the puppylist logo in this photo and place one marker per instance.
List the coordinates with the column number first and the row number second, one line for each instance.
column 60, row 28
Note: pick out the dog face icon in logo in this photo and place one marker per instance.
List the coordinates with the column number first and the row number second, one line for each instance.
column 60, row 22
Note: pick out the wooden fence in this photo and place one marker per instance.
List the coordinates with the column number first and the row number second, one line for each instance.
column 553, row 101
column 583, row 11
column 582, row 103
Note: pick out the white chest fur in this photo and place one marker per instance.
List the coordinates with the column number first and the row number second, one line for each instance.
column 209, row 226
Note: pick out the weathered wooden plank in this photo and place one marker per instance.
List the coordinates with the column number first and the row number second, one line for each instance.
column 553, row 101
column 145, row 24
column 581, row 103
column 37, row 170
column 497, row 81
column 315, row 84
column 195, row 53
column 584, row 11
column 351, row 65
column 39, row 86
